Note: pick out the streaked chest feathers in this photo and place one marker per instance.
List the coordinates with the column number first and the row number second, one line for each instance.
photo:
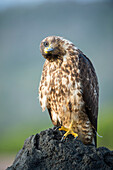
column 60, row 87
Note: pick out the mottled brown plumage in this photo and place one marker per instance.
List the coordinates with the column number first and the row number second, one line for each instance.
column 69, row 88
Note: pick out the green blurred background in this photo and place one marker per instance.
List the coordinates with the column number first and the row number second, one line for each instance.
column 88, row 24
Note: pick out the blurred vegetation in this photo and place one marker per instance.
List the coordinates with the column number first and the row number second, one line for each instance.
column 105, row 127
column 13, row 139
column 88, row 26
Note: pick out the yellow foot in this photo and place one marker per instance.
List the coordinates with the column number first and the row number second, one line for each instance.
column 68, row 131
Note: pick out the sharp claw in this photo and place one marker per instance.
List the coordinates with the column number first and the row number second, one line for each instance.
column 56, row 128
column 76, row 137
column 63, row 139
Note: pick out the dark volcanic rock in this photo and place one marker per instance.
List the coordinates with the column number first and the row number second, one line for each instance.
column 46, row 151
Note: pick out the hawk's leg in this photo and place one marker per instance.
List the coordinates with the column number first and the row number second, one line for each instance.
column 68, row 131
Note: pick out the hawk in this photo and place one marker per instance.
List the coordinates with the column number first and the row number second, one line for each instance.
column 69, row 89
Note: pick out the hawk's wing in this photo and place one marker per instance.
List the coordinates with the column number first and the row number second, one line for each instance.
column 90, row 89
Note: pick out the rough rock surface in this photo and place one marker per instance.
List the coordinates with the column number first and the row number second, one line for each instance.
column 46, row 151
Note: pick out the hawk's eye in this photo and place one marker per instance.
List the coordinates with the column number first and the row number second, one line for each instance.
column 46, row 43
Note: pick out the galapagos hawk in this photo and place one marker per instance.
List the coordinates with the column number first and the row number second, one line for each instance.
column 69, row 89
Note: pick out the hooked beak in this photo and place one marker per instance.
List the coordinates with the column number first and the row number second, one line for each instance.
column 48, row 49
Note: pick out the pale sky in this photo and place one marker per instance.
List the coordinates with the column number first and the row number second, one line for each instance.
column 9, row 3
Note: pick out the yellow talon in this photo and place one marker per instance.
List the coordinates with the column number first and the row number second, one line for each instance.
column 68, row 131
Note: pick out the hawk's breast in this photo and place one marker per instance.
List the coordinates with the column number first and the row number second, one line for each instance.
column 65, row 95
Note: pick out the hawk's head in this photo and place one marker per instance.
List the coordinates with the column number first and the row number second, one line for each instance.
column 52, row 48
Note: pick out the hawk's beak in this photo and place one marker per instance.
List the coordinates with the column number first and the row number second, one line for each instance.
column 48, row 49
